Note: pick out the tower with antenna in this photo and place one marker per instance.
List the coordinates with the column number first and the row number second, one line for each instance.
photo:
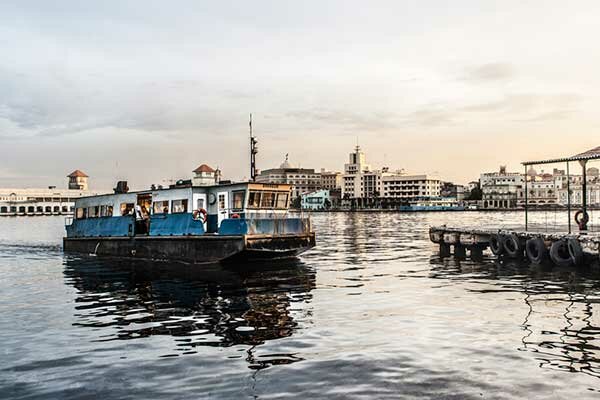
column 253, row 151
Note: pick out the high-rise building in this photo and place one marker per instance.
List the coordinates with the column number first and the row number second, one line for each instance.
column 362, row 184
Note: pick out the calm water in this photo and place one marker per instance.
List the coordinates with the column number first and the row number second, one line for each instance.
column 372, row 312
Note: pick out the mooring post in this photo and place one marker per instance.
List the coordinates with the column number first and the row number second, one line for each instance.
column 525, row 197
column 569, row 196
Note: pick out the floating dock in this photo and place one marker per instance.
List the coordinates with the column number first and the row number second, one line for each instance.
column 560, row 248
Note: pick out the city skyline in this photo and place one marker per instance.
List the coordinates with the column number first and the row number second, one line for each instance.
column 149, row 92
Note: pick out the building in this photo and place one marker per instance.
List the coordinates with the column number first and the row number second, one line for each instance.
column 331, row 180
column 575, row 187
column 303, row 180
column 550, row 189
column 593, row 195
column 206, row 176
column 317, row 200
column 45, row 201
column 542, row 188
column 501, row 189
column 78, row 180
column 364, row 187
column 452, row 191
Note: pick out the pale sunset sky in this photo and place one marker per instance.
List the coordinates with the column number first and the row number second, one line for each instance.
column 148, row 90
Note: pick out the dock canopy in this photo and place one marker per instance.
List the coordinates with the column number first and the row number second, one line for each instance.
column 593, row 154
column 581, row 217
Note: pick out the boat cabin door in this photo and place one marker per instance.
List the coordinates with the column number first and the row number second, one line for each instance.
column 142, row 214
column 222, row 210
column 199, row 202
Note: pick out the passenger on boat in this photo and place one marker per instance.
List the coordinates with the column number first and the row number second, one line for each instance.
column 141, row 220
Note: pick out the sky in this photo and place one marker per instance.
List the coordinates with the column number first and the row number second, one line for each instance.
column 146, row 91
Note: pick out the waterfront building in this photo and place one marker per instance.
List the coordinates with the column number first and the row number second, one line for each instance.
column 331, row 180
column 593, row 195
column 501, row 189
column 45, row 201
column 206, row 176
column 542, row 188
column 303, row 180
column 472, row 185
column 452, row 191
column 317, row 200
column 546, row 188
column 593, row 189
column 78, row 180
column 364, row 187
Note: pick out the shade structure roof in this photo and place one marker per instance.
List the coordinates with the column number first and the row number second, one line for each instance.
column 592, row 154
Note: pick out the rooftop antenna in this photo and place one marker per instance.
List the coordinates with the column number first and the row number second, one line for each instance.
column 253, row 151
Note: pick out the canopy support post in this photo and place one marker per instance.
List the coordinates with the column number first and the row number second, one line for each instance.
column 583, row 163
column 526, row 222
column 569, row 197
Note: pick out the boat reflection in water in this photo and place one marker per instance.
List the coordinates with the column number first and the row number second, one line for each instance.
column 197, row 306
column 561, row 317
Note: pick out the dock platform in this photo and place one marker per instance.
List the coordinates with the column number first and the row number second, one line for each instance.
column 561, row 248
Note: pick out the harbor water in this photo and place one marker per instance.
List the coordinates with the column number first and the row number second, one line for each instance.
column 371, row 312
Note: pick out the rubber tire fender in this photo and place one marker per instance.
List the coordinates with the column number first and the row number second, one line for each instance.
column 536, row 250
column 575, row 251
column 512, row 245
column 496, row 245
column 559, row 253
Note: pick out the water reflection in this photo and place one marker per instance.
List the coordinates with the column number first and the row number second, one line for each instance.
column 196, row 305
column 561, row 324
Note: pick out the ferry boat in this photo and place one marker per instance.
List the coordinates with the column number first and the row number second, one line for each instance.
column 195, row 224
column 432, row 204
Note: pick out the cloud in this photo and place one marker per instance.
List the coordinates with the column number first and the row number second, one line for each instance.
column 432, row 117
column 529, row 106
column 361, row 121
column 491, row 72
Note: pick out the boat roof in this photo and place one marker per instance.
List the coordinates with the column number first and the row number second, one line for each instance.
column 147, row 191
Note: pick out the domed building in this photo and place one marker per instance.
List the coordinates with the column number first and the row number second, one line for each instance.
column 303, row 180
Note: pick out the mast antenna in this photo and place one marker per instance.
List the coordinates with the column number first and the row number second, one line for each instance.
column 253, row 151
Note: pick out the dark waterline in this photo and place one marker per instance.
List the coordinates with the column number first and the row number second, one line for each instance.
column 372, row 312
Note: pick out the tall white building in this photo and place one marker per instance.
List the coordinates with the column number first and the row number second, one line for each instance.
column 362, row 184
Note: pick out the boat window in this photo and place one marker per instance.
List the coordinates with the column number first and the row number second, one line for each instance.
column 161, row 207
column 81, row 213
column 127, row 208
column 254, row 199
column 106, row 211
column 94, row 212
column 179, row 206
column 282, row 199
column 222, row 202
column 267, row 200
column 238, row 200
